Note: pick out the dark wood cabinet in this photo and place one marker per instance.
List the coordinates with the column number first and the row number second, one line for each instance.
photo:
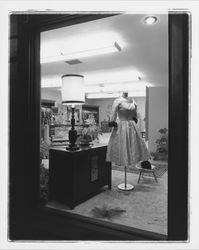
column 78, row 175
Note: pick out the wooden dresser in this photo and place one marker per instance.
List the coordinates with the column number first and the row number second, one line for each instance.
column 75, row 176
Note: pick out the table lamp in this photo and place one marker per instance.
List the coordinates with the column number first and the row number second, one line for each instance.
column 72, row 94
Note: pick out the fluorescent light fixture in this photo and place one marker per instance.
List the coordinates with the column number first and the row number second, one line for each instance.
column 115, row 47
column 99, row 77
column 92, row 89
column 51, row 82
column 112, row 76
column 140, row 93
column 128, row 86
column 124, row 86
column 137, row 93
column 78, row 43
column 102, row 95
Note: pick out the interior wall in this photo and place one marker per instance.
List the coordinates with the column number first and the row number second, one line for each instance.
column 104, row 104
column 50, row 94
column 157, row 100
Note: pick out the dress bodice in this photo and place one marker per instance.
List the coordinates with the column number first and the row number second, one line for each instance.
column 123, row 108
column 126, row 115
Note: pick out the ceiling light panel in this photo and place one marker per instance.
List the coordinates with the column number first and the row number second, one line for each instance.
column 122, row 76
column 115, row 94
column 81, row 46
column 112, row 76
column 81, row 54
column 123, row 86
column 51, row 82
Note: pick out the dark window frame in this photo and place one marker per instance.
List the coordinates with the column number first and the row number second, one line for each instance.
column 24, row 180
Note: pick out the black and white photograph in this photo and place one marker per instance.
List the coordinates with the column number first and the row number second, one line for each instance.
column 99, row 115
column 120, row 60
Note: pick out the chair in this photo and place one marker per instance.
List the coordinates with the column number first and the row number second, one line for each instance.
column 142, row 171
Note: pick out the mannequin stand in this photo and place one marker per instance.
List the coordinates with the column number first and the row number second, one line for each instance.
column 125, row 186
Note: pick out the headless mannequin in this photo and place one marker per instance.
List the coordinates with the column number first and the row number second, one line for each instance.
column 125, row 186
column 125, row 147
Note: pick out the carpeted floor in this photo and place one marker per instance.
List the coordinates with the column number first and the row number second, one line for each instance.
column 160, row 168
column 145, row 207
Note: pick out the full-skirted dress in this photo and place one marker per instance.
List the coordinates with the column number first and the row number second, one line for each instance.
column 126, row 146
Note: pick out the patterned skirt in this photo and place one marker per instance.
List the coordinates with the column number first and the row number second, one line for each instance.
column 126, row 146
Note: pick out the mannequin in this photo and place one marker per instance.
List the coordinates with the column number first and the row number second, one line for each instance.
column 126, row 146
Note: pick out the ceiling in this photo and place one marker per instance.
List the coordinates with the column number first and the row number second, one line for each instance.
column 144, row 48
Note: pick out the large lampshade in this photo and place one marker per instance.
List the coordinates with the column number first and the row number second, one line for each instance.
column 73, row 89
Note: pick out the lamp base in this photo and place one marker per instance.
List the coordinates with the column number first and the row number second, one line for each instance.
column 72, row 147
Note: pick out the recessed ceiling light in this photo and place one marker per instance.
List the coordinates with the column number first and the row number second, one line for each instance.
column 150, row 20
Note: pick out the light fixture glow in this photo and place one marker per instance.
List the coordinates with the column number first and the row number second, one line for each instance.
column 65, row 41
column 150, row 20
column 115, row 47
column 51, row 82
column 124, row 86
column 114, row 94
column 112, row 76
column 118, row 78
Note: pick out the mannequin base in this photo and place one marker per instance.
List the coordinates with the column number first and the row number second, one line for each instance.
column 126, row 188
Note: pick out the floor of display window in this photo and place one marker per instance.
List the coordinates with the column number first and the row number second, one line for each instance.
column 144, row 207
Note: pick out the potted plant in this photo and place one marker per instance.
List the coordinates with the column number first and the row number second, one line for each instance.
column 44, row 172
column 87, row 134
column 162, row 145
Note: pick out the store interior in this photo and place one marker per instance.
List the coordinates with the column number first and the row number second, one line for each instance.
column 127, row 52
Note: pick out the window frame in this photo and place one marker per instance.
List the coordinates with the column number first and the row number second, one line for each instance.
column 29, row 64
